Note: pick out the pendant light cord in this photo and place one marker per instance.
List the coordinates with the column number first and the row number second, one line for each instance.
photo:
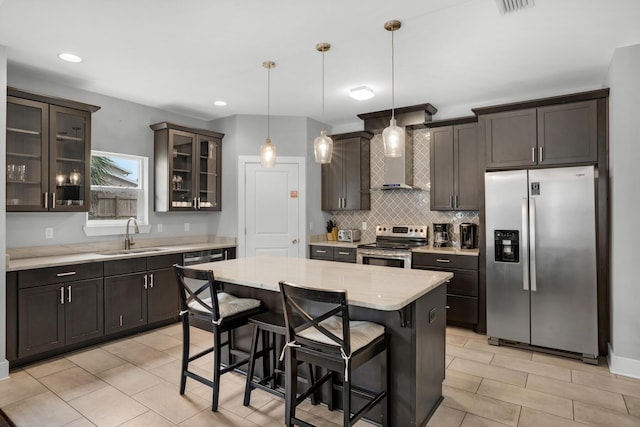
column 393, row 88
column 323, row 90
column 268, row 103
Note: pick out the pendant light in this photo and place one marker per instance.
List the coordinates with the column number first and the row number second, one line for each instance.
column 268, row 150
column 393, row 135
column 323, row 145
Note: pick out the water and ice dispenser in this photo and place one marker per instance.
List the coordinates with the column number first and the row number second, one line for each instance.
column 507, row 245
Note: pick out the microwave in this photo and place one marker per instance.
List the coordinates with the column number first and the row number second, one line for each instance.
column 348, row 235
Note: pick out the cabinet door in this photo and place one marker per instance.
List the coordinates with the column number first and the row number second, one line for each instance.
column 208, row 172
column 321, row 252
column 84, row 310
column 333, row 179
column 442, row 168
column 467, row 177
column 162, row 295
column 568, row 133
column 183, row 163
column 27, row 154
column 69, row 159
column 510, row 138
column 125, row 302
column 40, row 319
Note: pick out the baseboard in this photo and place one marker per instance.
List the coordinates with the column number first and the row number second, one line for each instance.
column 622, row 365
column 4, row 369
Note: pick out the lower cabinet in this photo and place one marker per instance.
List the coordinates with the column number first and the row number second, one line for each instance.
column 333, row 253
column 462, row 290
column 56, row 309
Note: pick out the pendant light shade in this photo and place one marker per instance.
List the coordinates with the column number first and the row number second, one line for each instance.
column 323, row 145
column 268, row 150
column 393, row 136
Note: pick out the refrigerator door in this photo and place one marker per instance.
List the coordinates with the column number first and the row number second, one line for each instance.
column 563, row 260
column 507, row 282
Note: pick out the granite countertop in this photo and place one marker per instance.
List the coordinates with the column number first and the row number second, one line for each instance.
column 107, row 255
column 367, row 285
column 335, row 243
column 447, row 250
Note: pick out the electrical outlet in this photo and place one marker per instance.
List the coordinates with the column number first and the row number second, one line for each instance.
column 187, row 226
column 159, row 228
column 364, row 225
column 48, row 233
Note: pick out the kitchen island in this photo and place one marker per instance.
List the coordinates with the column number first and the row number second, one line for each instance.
column 409, row 303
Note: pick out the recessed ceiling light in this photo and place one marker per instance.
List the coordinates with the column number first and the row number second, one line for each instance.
column 220, row 103
column 361, row 93
column 69, row 57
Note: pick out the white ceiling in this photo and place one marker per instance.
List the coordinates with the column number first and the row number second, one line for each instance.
column 183, row 55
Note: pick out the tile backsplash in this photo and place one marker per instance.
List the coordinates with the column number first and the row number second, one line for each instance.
column 402, row 206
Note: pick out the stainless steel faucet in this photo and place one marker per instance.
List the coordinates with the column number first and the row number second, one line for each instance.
column 128, row 239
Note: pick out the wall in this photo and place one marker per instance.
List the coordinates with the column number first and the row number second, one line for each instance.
column 624, row 102
column 4, row 364
column 402, row 206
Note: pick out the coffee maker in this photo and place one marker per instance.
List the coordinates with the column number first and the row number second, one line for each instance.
column 468, row 235
column 441, row 235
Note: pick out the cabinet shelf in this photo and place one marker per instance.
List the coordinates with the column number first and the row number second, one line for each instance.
column 24, row 131
column 24, row 182
column 182, row 190
column 182, row 170
column 24, row 155
column 69, row 160
column 209, row 173
column 69, row 138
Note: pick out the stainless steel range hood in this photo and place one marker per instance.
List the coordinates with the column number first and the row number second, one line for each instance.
column 398, row 171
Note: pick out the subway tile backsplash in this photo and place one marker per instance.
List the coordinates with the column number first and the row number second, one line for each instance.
column 402, row 206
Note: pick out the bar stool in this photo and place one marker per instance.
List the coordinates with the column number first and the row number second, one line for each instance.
column 201, row 299
column 333, row 341
column 269, row 327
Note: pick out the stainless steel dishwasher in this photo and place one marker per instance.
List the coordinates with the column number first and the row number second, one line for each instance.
column 208, row 255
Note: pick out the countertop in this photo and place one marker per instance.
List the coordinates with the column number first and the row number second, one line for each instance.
column 366, row 285
column 107, row 255
column 426, row 249
column 336, row 244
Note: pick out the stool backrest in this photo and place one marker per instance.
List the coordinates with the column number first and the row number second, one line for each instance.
column 194, row 287
column 306, row 307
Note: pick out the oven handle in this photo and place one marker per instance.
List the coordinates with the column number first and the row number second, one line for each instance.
column 376, row 255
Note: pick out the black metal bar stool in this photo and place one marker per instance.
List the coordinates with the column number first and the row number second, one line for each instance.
column 201, row 298
column 333, row 341
column 269, row 328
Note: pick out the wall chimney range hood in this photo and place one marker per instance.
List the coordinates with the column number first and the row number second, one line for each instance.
column 398, row 171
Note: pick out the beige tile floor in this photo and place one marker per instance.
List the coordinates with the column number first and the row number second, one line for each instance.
column 134, row 382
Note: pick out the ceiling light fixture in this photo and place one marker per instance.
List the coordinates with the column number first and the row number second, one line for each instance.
column 508, row 6
column 268, row 150
column 323, row 145
column 361, row 93
column 69, row 57
column 220, row 103
column 393, row 136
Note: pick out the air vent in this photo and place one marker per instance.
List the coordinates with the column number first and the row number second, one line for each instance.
column 508, row 6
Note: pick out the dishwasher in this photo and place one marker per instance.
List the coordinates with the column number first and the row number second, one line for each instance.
column 208, row 255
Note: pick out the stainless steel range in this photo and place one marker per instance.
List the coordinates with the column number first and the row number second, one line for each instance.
column 393, row 245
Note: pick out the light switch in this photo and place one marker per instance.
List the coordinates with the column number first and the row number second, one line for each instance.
column 187, row 226
column 48, row 233
column 159, row 228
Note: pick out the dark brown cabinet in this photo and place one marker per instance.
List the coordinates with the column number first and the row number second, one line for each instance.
column 333, row 253
column 59, row 306
column 138, row 291
column 454, row 168
column 462, row 290
column 346, row 180
column 187, row 168
column 48, row 153
column 542, row 136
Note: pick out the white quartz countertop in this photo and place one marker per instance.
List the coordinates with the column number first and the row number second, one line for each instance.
column 377, row 287
column 336, row 244
column 107, row 255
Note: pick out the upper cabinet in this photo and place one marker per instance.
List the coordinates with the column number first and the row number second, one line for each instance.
column 48, row 153
column 346, row 180
column 187, row 168
column 563, row 132
column 454, row 166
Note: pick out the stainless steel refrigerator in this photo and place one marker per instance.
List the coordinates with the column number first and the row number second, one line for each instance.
column 541, row 258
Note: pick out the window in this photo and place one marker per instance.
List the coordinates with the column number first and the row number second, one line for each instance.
column 118, row 192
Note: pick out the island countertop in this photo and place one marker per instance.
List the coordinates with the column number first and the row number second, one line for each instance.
column 370, row 286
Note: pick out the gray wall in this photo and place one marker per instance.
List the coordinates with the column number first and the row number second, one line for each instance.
column 625, row 204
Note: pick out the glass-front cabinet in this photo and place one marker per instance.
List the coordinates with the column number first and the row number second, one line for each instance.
column 48, row 148
column 187, row 168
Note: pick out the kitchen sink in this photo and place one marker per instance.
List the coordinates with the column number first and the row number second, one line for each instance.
column 132, row 251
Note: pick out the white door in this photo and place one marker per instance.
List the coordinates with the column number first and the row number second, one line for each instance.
column 271, row 208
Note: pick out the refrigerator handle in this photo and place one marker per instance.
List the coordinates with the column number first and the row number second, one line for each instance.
column 525, row 246
column 532, row 244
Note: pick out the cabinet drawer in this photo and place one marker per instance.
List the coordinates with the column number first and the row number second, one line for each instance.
column 163, row 261
column 444, row 261
column 344, row 254
column 462, row 309
column 125, row 266
column 322, row 252
column 59, row 274
column 464, row 282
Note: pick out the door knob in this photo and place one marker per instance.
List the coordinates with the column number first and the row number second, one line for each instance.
column 294, row 241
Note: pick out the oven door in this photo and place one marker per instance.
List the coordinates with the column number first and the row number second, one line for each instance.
column 398, row 259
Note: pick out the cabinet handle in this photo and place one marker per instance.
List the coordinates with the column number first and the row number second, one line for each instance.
column 69, row 293
column 68, row 273
column 225, row 255
column 533, row 154
column 343, row 253
column 121, row 320
column 46, row 200
column 540, row 155
column 145, row 281
column 53, row 200
column 151, row 280
column 62, row 295
column 442, row 260
column 321, row 251
column 447, row 306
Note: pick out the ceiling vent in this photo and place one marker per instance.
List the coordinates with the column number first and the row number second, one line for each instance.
column 508, row 6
